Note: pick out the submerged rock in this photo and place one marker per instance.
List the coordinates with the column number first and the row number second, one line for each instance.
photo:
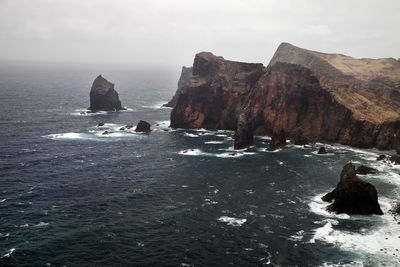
column 366, row 170
column 278, row 140
column 100, row 124
column 103, row 97
column 143, row 126
column 353, row 195
column 129, row 126
column 106, row 133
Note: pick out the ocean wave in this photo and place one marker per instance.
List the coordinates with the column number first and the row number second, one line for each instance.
column 232, row 221
column 198, row 152
column 85, row 112
column 8, row 254
column 214, row 142
column 94, row 136
column 190, row 135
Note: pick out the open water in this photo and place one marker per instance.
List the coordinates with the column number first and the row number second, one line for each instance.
column 70, row 196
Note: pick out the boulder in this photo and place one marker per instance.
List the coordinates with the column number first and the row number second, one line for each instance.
column 106, row 133
column 103, row 97
column 353, row 195
column 322, row 150
column 366, row 170
column 381, row 157
column 395, row 159
column 143, row 126
column 278, row 140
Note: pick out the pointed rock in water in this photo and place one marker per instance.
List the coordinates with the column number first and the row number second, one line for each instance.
column 366, row 170
column 244, row 131
column 278, row 140
column 353, row 195
column 143, row 126
column 103, row 97
column 322, row 150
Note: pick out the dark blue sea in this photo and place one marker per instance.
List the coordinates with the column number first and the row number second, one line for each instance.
column 70, row 196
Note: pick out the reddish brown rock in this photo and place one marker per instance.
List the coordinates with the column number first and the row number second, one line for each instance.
column 353, row 195
column 214, row 96
column 319, row 98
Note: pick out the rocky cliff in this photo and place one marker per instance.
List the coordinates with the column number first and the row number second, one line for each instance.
column 103, row 96
column 305, row 95
column 186, row 73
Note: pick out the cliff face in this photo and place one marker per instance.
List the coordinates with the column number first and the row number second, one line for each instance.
column 103, row 96
column 213, row 96
column 312, row 100
column 186, row 73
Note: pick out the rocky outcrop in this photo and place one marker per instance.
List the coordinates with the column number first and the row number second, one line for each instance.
column 319, row 98
column 244, row 133
column 186, row 73
column 353, row 195
column 103, row 97
column 143, row 126
column 278, row 140
column 366, row 170
column 215, row 95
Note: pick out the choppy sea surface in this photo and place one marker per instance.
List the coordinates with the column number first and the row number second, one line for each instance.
column 70, row 196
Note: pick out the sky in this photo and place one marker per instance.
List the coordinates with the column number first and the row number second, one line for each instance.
column 171, row 32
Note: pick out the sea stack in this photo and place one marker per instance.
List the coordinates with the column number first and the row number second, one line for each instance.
column 353, row 195
column 103, row 97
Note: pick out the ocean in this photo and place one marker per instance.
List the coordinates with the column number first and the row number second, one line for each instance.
column 70, row 196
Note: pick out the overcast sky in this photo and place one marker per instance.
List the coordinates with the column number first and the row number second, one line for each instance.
column 171, row 32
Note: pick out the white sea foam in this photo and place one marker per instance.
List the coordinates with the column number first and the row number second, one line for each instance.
column 4, row 199
column 41, row 224
column 381, row 240
column 213, row 142
column 4, row 235
column 190, row 135
column 8, row 254
column 198, row 152
column 232, row 221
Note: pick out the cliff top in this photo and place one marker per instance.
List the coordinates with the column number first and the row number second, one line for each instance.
column 337, row 64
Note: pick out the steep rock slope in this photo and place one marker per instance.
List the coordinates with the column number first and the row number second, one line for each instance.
column 213, row 96
column 186, row 73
